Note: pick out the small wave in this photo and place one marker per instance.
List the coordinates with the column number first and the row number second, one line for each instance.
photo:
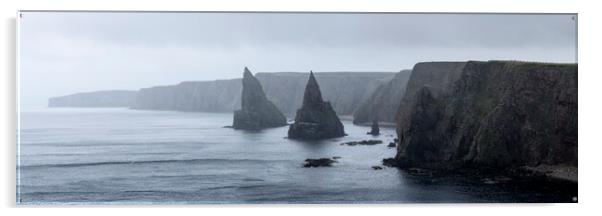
column 236, row 187
column 145, row 191
column 146, row 162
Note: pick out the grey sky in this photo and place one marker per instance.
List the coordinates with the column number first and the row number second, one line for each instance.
column 64, row 53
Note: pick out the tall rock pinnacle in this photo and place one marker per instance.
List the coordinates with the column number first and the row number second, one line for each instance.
column 257, row 111
column 315, row 119
column 312, row 94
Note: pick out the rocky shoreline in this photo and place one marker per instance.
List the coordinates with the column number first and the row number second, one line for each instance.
column 556, row 172
column 565, row 177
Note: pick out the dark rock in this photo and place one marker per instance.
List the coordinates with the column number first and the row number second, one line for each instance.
column 315, row 119
column 555, row 172
column 375, row 129
column 383, row 103
column 377, row 167
column 496, row 114
column 390, row 162
column 391, row 145
column 322, row 162
column 363, row 142
column 257, row 111
column 336, row 157
column 419, row 171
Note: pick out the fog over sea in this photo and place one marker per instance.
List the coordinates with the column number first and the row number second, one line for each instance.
column 123, row 156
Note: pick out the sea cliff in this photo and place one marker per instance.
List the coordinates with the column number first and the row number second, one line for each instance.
column 495, row 114
column 383, row 103
column 113, row 98
column 344, row 90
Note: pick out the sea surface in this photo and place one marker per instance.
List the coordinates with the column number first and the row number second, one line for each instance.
column 123, row 156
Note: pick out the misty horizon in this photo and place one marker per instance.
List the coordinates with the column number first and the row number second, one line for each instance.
column 63, row 53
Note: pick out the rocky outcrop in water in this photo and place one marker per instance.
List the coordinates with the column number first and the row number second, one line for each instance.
column 344, row 90
column 363, row 142
column 113, row 98
column 375, row 130
column 257, row 111
column 377, row 167
column 495, row 114
column 320, row 162
column 384, row 102
column 315, row 119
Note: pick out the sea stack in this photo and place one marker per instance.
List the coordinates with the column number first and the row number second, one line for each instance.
column 257, row 111
column 316, row 119
column 375, row 129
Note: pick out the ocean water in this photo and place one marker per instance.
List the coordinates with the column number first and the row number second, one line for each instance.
column 122, row 156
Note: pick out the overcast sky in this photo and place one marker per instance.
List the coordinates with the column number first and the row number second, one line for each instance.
column 63, row 53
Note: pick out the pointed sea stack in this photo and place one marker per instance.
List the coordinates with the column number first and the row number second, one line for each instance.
column 316, row 119
column 257, row 111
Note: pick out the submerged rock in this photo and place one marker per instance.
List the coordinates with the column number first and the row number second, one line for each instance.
column 363, row 142
column 375, row 129
column 377, row 167
column 321, row 162
column 257, row 111
column 392, row 145
column 315, row 119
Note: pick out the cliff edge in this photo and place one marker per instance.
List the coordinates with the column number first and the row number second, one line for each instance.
column 111, row 98
column 495, row 114
column 383, row 103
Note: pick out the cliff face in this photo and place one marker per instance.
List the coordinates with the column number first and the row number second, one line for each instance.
column 315, row 119
column 345, row 90
column 489, row 114
column 207, row 96
column 116, row 98
column 383, row 103
column 257, row 111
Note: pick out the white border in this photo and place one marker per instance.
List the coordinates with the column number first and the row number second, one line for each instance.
column 589, row 107
column 18, row 103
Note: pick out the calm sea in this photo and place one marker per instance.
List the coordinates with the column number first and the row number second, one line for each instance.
column 122, row 156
